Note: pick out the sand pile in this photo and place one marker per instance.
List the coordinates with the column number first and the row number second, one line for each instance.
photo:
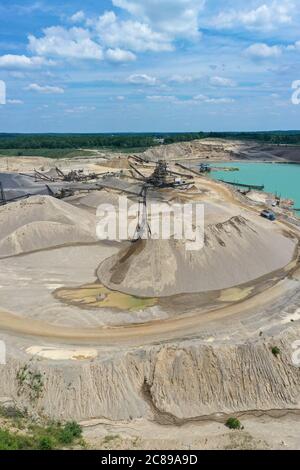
column 220, row 149
column 93, row 199
column 212, row 148
column 41, row 222
column 235, row 252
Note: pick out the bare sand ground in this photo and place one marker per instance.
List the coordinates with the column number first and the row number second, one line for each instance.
column 144, row 333
column 29, row 164
column 265, row 432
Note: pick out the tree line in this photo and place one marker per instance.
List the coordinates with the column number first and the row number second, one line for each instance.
column 128, row 141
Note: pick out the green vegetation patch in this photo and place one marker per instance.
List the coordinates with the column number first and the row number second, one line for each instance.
column 21, row 434
column 233, row 423
column 30, row 381
column 275, row 351
column 14, row 441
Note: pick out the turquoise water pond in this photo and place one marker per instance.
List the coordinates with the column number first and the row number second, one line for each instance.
column 280, row 179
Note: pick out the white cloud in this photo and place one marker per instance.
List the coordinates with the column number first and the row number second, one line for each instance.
column 264, row 17
column 209, row 100
column 119, row 55
column 161, row 98
column 142, row 79
column 132, row 35
column 15, row 102
column 78, row 17
column 153, row 26
column 2, row 92
column 220, row 100
column 294, row 47
column 80, row 109
column 72, row 43
column 181, row 78
column 17, row 74
column 222, row 82
column 174, row 17
column 37, row 6
column 45, row 89
column 263, row 51
column 191, row 101
column 22, row 61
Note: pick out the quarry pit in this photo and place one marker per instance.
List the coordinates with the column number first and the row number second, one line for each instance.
column 146, row 333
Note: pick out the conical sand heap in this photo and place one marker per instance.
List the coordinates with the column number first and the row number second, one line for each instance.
column 235, row 252
column 42, row 222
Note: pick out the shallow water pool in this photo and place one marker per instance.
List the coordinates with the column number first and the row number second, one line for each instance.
column 280, row 179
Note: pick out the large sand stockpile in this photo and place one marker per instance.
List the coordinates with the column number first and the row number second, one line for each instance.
column 41, row 222
column 204, row 149
column 220, row 149
column 235, row 252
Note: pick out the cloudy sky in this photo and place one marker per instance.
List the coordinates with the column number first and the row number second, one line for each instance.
column 149, row 65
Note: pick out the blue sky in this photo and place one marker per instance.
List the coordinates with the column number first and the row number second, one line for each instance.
column 149, row 65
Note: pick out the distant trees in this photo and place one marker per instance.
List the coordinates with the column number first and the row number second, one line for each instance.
column 71, row 141
column 131, row 141
column 278, row 137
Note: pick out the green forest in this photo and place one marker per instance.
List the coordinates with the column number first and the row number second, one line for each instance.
column 63, row 144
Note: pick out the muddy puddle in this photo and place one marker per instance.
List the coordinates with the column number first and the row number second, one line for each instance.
column 98, row 296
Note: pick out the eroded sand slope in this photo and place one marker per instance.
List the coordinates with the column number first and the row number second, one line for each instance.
column 178, row 381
